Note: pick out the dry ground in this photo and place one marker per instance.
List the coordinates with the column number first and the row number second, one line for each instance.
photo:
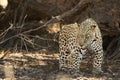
column 43, row 66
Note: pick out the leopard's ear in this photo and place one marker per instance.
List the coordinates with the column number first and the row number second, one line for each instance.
column 93, row 26
column 76, row 24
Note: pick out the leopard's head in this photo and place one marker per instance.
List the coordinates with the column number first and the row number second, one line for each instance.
column 87, row 32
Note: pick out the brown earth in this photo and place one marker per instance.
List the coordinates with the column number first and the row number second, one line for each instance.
column 44, row 66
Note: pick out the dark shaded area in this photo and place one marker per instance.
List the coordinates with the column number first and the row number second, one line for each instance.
column 27, row 15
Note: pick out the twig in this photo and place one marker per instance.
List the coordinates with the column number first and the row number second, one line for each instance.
column 42, row 38
column 6, row 52
column 24, row 43
column 80, row 6
column 16, row 13
column 5, row 32
column 110, row 71
column 1, row 42
column 24, row 7
column 26, row 39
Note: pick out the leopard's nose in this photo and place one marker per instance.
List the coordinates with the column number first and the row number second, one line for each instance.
column 81, row 45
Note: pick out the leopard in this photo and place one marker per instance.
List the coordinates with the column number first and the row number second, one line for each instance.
column 76, row 37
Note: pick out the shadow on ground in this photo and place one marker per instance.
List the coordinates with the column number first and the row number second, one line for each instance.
column 42, row 66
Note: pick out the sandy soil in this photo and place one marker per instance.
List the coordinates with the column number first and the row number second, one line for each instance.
column 43, row 66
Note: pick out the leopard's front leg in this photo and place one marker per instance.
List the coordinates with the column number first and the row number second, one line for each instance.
column 74, row 60
column 63, row 61
column 97, row 50
column 97, row 62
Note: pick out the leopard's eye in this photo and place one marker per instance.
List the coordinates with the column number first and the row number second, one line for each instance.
column 88, row 35
column 93, row 26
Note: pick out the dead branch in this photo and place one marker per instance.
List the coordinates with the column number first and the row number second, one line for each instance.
column 5, row 32
column 5, row 53
column 80, row 6
column 23, row 6
column 26, row 39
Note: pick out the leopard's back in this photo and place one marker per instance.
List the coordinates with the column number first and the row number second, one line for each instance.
column 69, row 47
column 68, row 34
